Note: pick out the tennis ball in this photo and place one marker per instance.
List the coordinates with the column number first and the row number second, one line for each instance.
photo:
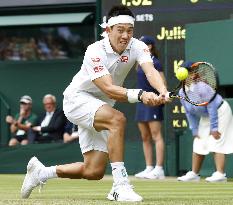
column 182, row 73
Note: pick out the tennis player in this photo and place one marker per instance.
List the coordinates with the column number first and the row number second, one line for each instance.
column 88, row 103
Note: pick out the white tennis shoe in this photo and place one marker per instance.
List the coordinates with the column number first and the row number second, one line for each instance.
column 155, row 174
column 217, row 177
column 189, row 176
column 123, row 192
column 143, row 173
column 31, row 179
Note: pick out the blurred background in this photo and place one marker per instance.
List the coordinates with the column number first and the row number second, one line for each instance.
column 42, row 44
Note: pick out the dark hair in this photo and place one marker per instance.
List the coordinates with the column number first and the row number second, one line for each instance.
column 149, row 40
column 119, row 10
column 154, row 51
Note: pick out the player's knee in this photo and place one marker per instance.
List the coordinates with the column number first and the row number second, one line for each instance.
column 118, row 120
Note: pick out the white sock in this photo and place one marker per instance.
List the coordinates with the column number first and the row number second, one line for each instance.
column 119, row 172
column 158, row 167
column 150, row 167
column 194, row 172
column 48, row 173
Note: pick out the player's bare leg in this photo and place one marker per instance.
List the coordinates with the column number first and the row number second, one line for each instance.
column 93, row 167
column 114, row 121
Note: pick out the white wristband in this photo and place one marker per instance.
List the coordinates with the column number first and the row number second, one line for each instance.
column 133, row 95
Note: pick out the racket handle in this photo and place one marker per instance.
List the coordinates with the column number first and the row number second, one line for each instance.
column 169, row 94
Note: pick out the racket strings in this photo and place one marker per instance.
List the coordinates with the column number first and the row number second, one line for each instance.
column 200, row 86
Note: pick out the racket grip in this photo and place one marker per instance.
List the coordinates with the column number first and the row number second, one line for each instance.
column 169, row 95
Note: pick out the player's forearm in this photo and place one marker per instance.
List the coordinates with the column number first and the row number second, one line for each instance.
column 116, row 93
column 154, row 77
column 156, row 81
column 105, row 83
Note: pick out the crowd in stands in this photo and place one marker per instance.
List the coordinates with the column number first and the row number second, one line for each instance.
column 52, row 126
column 17, row 49
column 44, row 44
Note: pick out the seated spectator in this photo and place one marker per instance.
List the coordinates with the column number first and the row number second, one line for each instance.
column 51, row 124
column 21, row 123
column 70, row 132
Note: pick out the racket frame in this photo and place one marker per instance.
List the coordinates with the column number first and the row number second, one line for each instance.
column 182, row 84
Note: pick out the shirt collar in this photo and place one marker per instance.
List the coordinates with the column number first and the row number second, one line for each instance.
column 107, row 45
column 49, row 113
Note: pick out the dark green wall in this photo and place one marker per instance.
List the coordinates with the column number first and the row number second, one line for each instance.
column 212, row 42
column 35, row 79
column 14, row 159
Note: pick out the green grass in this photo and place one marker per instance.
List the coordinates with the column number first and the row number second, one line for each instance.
column 82, row 192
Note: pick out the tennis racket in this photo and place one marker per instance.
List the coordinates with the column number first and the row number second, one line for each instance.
column 200, row 87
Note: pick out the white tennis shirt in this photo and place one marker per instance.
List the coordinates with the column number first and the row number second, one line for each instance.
column 100, row 60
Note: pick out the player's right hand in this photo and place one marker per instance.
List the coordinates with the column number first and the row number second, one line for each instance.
column 166, row 97
column 150, row 98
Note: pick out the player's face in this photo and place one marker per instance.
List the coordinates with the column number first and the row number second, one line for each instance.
column 119, row 36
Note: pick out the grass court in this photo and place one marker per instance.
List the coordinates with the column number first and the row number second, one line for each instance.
column 82, row 192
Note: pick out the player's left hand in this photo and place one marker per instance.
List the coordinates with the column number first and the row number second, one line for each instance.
column 150, row 98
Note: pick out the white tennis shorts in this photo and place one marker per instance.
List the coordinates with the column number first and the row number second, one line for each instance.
column 80, row 109
column 207, row 143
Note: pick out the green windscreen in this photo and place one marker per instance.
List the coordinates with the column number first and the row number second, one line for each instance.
column 212, row 42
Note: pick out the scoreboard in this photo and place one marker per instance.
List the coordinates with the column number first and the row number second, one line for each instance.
column 165, row 20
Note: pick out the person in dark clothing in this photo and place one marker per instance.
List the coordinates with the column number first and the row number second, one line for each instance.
column 149, row 119
column 70, row 132
column 51, row 124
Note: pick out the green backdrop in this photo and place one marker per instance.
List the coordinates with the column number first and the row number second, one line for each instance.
column 212, row 42
column 35, row 79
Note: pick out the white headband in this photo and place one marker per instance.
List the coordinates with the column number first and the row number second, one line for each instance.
column 118, row 19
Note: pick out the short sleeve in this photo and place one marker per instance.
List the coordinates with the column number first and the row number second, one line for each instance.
column 94, row 63
column 142, row 53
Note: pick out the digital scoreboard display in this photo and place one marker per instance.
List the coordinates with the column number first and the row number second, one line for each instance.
column 165, row 20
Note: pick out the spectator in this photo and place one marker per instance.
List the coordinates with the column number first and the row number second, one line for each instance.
column 51, row 123
column 70, row 132
column 212, row 132
column 21, row 123
column 149, row 120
